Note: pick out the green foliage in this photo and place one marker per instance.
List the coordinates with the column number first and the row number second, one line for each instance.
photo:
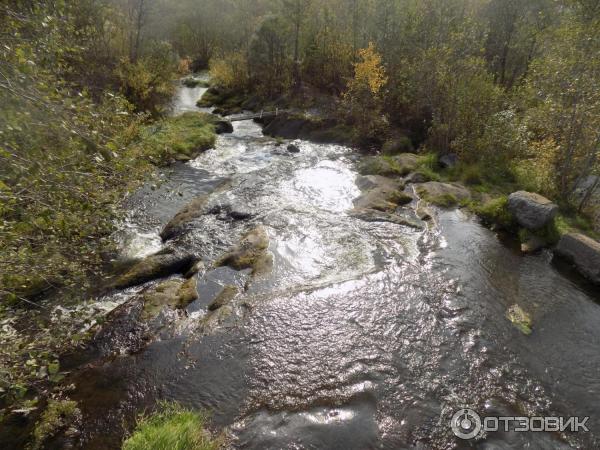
column 172, row 427
column 230, row 72
column 148, row 82
column 58, row 415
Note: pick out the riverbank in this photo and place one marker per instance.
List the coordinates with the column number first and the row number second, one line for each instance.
column 49, row 308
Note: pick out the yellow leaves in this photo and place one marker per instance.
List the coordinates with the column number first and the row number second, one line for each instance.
column 369, row 71
column 230, row 72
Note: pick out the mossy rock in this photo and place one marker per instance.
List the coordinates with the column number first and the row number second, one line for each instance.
column 399, row 165
column 190, row 212
column 225, row 296
column 250, row 253
column 155, row 266
column 519, row 319
column 381, row 193
column 175, row 294
column 173, row 427
column 444, row 195
column 495, row 212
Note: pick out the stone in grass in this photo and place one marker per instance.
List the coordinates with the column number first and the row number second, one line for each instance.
column 531, row 210
column 519, row 318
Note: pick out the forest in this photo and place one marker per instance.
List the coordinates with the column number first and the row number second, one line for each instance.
column 507, row 92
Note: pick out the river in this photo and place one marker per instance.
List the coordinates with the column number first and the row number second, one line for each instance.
column 364, row 335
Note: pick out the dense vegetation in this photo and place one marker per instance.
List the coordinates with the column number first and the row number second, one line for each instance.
column 509, row 86
column 78, row 89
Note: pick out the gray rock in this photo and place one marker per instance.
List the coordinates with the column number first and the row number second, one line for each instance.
column 223, row 127
column 448, row 160
column 417, row 177
column 582, row 251
column 532, row 211
column 293, row 148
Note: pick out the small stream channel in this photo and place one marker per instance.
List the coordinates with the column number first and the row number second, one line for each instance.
column 364, row 334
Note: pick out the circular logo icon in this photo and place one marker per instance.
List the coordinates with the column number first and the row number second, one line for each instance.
column 466, row 423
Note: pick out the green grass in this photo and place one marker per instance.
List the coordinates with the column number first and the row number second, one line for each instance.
column 495, row 212
column 182, row 138
column 172, row 427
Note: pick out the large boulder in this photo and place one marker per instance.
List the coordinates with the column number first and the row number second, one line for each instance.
column 532, row 211
column 159, row 265
column 582, row 251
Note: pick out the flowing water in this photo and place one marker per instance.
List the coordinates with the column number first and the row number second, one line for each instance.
column 364, row 335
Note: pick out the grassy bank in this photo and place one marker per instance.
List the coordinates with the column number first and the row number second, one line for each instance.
column 172, row 427
column 59, row 239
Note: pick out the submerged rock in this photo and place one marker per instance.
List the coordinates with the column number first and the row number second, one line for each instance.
column 293, row 148
column 582, row 251
column 532, row 211
column 370, row 215
column 159, row 265
column 179, row 223
column 250, row 253
column 519, row 318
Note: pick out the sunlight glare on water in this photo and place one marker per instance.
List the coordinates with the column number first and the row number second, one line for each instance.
column 328, row 185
